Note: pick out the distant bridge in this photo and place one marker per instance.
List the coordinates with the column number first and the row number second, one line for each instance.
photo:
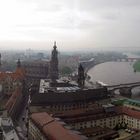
column 92, row 62
column 128, row 60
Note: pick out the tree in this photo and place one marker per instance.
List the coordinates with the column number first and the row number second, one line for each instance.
column 66, row 70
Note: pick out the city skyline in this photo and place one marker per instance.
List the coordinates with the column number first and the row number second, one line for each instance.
column 75, row 25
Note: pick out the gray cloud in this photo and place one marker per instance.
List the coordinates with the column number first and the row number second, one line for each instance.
column 95, row 23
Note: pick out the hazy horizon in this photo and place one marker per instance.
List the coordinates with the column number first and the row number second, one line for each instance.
column 75, row 25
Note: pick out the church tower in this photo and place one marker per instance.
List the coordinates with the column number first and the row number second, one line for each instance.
column 54, row 63
column 81, row 76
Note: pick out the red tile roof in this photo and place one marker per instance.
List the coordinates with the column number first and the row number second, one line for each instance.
column 19, row 74
column 98, row 113
column 52, row 129
column 128, row 111
column 80, row 112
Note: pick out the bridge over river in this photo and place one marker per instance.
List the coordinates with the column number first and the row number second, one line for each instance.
column 124, row 89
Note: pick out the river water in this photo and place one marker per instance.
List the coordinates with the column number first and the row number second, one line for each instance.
column 113, row 73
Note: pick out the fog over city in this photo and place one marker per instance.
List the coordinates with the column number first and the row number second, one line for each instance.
column 74, row 24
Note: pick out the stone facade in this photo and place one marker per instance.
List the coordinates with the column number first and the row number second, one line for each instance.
column 36, row 70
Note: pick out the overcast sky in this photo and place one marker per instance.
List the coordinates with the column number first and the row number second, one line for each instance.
column 74, row 24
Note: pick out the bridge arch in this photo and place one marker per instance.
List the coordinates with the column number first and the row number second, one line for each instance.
column 123, row 89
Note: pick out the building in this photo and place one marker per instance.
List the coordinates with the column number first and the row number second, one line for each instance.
column 9, row 81
column 12, row 93
column 131, row 113
column 7, row 131
column 63, row 97
column 35, row 70
column 93, row 116
column 107, row 117
column 58, row 99
column 82, row 108
column 54, row 64
column 42, row 126
column 79, row 109
column 81, row 76
column 100, row 133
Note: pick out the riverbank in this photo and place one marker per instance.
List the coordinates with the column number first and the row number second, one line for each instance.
column 136, row 66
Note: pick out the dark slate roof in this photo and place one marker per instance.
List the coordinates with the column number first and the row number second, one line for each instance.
column 69, row 97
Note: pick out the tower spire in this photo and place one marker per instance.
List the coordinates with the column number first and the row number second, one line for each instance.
column 54, row 63
column 81, row 76
column 54, row 45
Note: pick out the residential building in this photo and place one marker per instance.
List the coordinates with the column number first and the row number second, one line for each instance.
column 44, row 127
column 7, row 131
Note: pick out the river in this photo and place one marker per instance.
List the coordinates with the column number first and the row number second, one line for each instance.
column 113, row 73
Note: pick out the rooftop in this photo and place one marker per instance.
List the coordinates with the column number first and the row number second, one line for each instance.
column 17, row 75
column 99, row 133
column 42, row 62
column 126, row 101
column 95, row 113
column 59, row 86
column 52, row 128
column 80, row 112
column 82, row 95
column 132, row 102
column 7, row 128
column 128, row 111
